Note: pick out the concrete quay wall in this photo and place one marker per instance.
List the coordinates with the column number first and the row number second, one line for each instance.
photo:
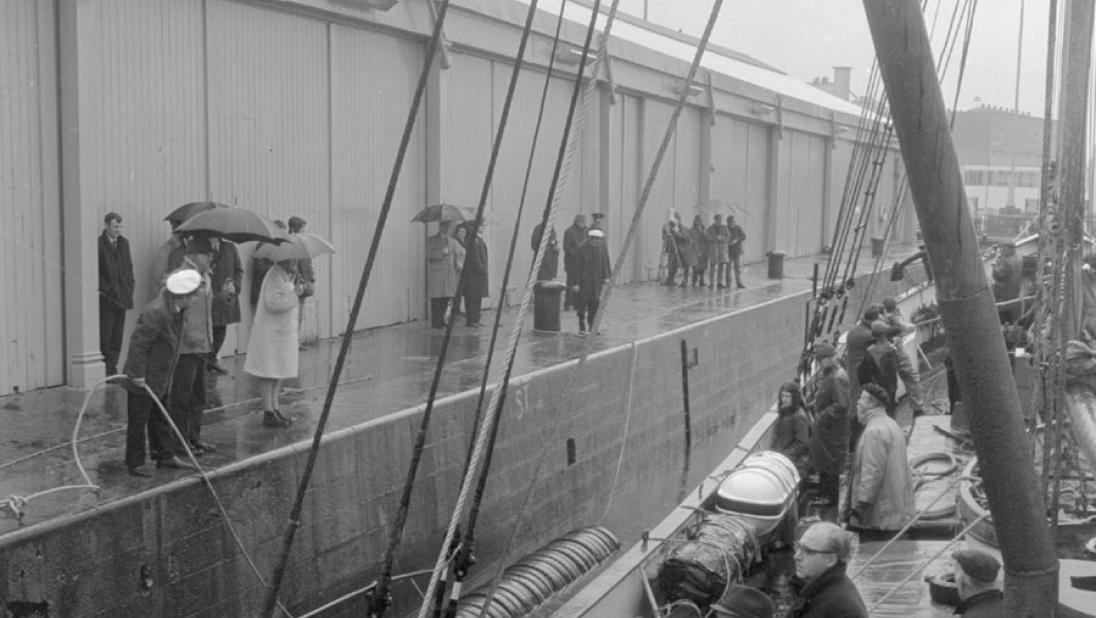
column 168, row 553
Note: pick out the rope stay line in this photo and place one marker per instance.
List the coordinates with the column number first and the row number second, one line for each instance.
column 389, row 196
column 461, row 550
column 549, row 213
column 567, row 147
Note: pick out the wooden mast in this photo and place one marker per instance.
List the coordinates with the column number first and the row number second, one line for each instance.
column 966, row 305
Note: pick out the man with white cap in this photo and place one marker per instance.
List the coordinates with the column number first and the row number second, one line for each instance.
column 153, row 353
column 594, row 271
column 976, row 578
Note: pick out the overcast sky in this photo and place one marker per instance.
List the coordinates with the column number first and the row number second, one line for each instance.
column 806, row 38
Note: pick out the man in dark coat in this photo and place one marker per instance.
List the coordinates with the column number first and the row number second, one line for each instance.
column 549, row 266
column 573, row 236
column 153, row 355
column 976, row 579
column 718, row 237
column 857, row 341
column 594, row 271
column 824, row 589
column 1007, row 276
column 115, row 289
column 880, row 364
column 830, row 438
column 734, row 250
column 228, row 276
column 475, row 278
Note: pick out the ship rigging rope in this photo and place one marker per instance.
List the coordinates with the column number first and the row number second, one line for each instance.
column 464, row 550
column 618, row 264
column 382, row 219
column 564, row 158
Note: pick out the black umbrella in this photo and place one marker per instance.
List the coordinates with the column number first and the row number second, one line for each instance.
column 187, row 211
column 235, row 224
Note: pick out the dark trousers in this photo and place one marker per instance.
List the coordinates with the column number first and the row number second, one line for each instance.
column 698, row 275
column 829, row 486
column 457, row 305
column 472, row 308
column 736, row 264
column 438, row 305
column 219, row 333
column 587, row 311
column 142, row 414
column 568, row 293
column 188, row 395
column 112, row 322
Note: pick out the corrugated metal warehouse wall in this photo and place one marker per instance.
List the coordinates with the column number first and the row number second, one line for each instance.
column 297, row 109
column 31, row 347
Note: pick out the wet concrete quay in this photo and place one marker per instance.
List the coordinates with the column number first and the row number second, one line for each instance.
column 388, row 369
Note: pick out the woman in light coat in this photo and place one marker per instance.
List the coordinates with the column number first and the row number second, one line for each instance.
column 443, row 257
column 273, row 348
column 880, row 479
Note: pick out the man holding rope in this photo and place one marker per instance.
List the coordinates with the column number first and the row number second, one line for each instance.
column 153, row 354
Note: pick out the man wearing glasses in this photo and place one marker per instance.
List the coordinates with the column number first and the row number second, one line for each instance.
column 824, row 589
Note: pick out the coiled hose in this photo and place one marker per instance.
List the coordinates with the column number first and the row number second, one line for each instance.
column 536, row 577
column 924, row 477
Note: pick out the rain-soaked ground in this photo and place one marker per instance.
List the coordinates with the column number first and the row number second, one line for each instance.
column 388, row 369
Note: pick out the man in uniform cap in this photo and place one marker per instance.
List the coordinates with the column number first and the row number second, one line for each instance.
column 598, row 223
column 976, row 577
column 153, row 353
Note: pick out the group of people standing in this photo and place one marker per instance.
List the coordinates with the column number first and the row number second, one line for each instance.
column 179, row 335
column 706, row 255
column 456, row 270
column 851, row 410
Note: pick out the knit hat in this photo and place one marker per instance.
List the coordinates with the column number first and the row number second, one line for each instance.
column 876, row 391
column 183, row 282
column 824, row 350
column 977, row 564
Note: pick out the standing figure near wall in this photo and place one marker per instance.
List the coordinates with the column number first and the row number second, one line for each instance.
column 442, row 275
column 549, row 266
column 700, row 245
column 273, row 351
column 475, row 279
column 573, row 236
column 718, row 237
column 737, row 236
column 305, row 273
column 153, row 354
column 259, row 268
column 593, row 273
column 228, row 276
column 188, row 393
column 115, row 289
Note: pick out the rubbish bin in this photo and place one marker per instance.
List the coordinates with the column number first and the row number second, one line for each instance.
column 546, row 303
column 776, row 264
column 876, row 247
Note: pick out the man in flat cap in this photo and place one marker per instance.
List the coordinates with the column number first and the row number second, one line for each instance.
column 976, row 578
column 153, row 354
column 830, row 437
column 880, row 495
column 573, row 237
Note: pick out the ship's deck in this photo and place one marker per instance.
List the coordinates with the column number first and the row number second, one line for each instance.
column 388, row 370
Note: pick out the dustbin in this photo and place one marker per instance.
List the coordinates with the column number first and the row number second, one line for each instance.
column 876, row 247
column 776, row 264
column 546, row 303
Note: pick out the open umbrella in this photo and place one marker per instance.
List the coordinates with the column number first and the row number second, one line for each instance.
column 188, row 210
column 443, row 212
column 299, row 246
column 235, row 224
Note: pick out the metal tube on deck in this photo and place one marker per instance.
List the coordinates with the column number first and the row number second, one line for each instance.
column 967, row 305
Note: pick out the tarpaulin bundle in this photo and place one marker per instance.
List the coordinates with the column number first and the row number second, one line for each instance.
column 700, row 570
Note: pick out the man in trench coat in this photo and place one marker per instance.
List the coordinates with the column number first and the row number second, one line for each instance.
column 573, row 236
column 227, row 279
